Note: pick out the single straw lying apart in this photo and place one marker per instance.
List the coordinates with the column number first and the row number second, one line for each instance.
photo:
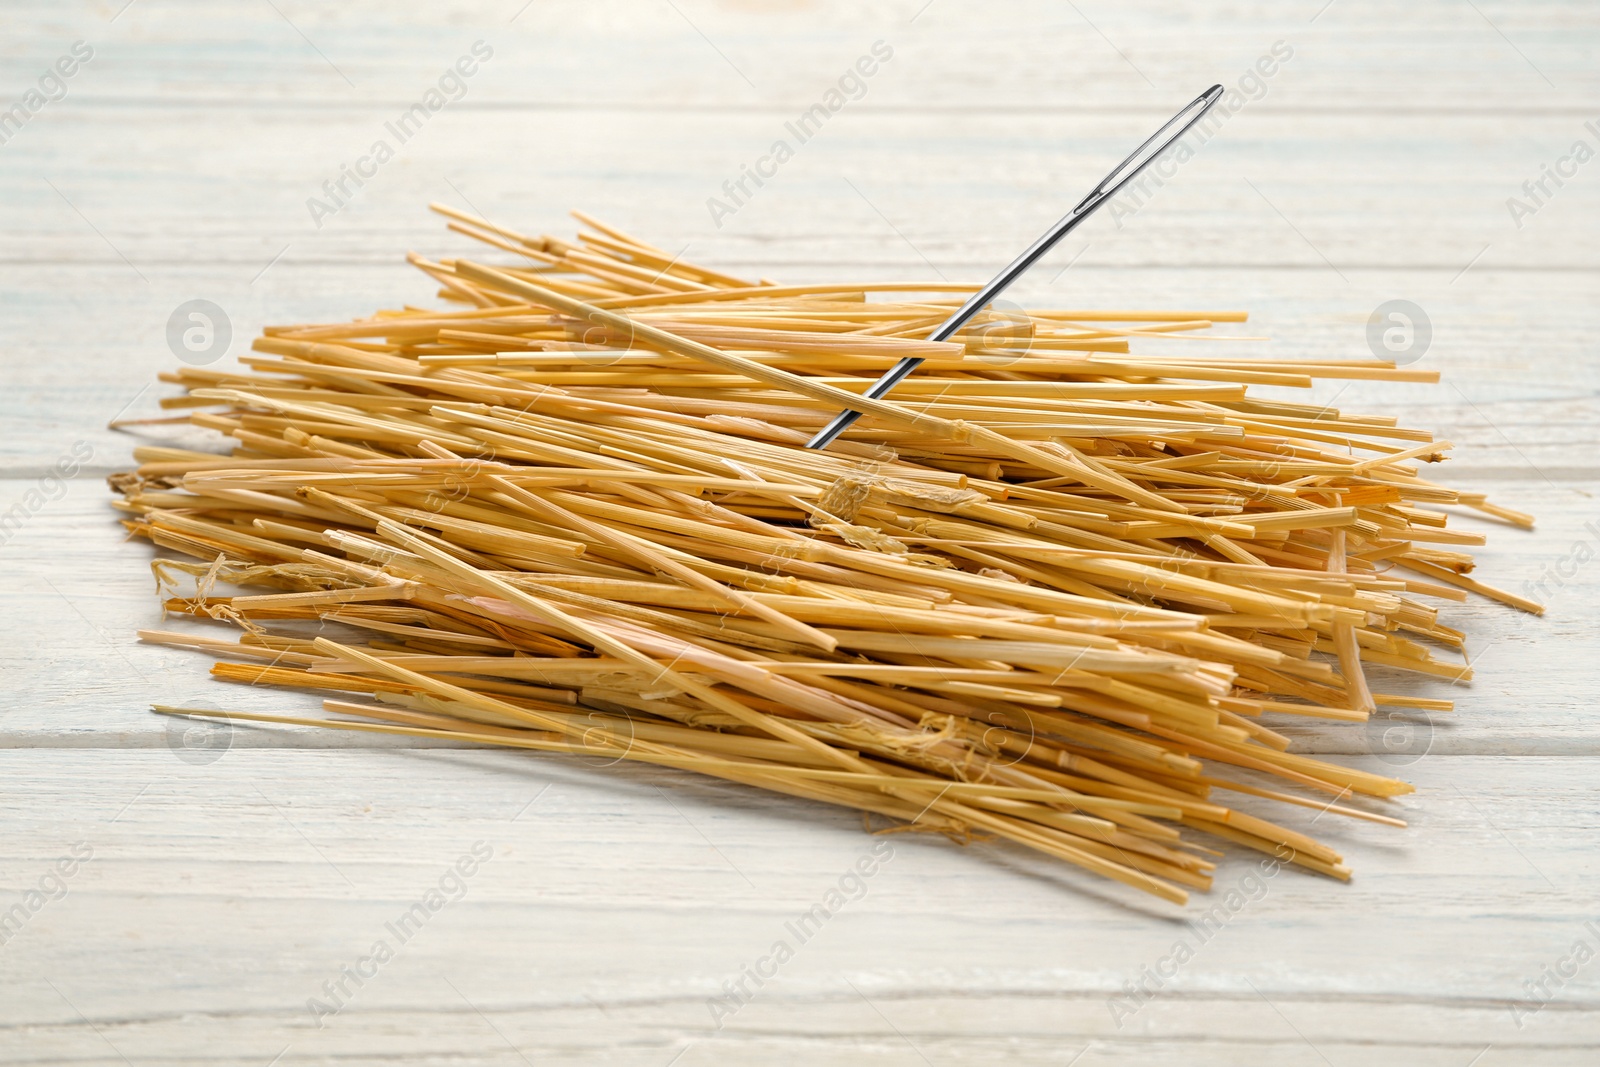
column 1121, row 175
column 1061, row 593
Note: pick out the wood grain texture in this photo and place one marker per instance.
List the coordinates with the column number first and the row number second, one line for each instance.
column 226, row 885
column 92, row 590
column 617, row 903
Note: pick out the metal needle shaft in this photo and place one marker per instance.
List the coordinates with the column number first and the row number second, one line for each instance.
column 1125, row 172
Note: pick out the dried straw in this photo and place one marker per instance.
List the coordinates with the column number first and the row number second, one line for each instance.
column 1046, row 592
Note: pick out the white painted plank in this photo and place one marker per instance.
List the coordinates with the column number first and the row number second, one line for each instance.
column 183, row 197
column 220, row 897
column 624, row 897
column 1361, row 54
column 1414, row 193
column 1524, row 409
column 83, row 680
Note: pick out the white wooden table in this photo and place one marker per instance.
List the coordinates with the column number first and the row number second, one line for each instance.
column 214, row 892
